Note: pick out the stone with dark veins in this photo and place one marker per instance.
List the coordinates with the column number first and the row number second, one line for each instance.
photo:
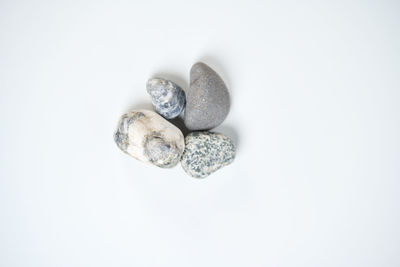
column 206, row 152
column 167, row 97
column 148, row 137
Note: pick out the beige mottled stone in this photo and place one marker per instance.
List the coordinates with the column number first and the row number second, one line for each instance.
column 148, row 137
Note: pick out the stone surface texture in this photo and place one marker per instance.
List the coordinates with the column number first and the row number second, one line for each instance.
column 150, row 138
column 206, row 152
column 207, row 100
column 167, row 97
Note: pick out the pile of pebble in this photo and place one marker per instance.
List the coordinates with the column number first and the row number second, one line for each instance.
column 149, row 137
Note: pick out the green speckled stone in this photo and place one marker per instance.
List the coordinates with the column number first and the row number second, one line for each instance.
column 206, row 152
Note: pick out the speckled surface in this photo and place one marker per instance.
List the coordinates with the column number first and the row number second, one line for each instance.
column 148, row 137
column 206, row 152
column 207, row 100
column 167, row 97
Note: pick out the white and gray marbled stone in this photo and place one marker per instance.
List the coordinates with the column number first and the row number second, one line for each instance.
column 167, row 97
column 207, row 100
column 206, row 152
column 148, row 137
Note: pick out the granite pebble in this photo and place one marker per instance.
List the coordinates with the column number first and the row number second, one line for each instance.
column 206, row 152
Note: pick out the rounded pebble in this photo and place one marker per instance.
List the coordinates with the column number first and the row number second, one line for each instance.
column 206, row 152
column 148, row 137
column 207, row 100
column 167, row 97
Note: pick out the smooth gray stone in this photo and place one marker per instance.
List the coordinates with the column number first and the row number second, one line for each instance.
column 207, row 100
column 206, row 152
column 167, row 97
column 148, row 137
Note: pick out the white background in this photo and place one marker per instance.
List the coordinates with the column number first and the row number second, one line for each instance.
column 315, row 114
